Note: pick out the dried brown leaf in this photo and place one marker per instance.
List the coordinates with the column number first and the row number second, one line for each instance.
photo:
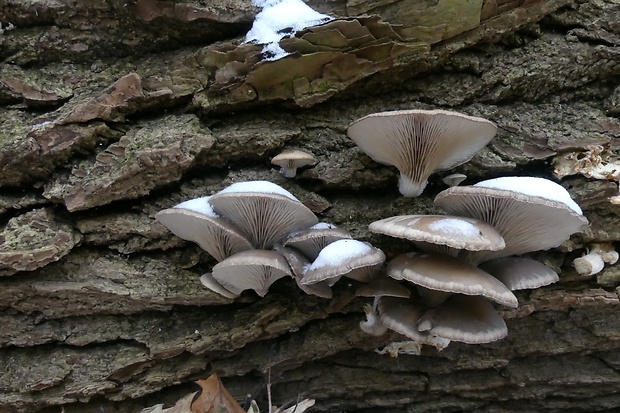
column 214, row 398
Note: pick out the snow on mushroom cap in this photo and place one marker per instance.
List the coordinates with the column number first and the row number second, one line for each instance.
column 200, row 205
column 338, row 252
column 533, row 186
column 455, row 227
column 278, row 19
column 263, row 187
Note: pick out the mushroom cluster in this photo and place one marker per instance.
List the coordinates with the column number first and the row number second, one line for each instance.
column 468, row 259
column 259, row 232
column 419, row 142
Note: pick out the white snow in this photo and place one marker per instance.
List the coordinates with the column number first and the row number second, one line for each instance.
column 263, row 187
column 200, row 205
column 280, row 18
column 323, row 225
column 455, row 227
column 339, row 252
column 533, row 186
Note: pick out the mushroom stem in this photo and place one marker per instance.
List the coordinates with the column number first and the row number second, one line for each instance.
column 409, row 188
column 372, row 325
column 432, row 298
column 289, row 171
column 594, row 261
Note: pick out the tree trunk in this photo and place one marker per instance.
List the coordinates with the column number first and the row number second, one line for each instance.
column 111, row 111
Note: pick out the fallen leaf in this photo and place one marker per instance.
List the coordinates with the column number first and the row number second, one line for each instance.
column 214, row 398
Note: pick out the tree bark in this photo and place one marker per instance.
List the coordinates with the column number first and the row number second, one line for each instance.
column 111, row 111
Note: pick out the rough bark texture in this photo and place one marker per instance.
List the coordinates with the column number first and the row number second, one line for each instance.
column 111, row 111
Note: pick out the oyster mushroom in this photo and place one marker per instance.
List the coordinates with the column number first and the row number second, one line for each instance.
column 264, row 211
column 251, row 270
column 195, row 221
column 518, row 273
column 450, row 275
column 291, row 159
column 467, row 319
column 594, row 261
column 531, row 213
column 419, row 142
column 346, row 257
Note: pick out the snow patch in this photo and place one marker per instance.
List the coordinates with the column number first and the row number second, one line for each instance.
column 339, row 252
column 200, row 205
column 323, row 225
column 455, row 227
column 263, row 187
column 280, row 18
column 533, row 186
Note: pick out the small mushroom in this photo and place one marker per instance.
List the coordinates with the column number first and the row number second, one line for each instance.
column 372, row 325
column 291, row 159
column 531, row 213
column 519, row 273
column 452, row 231
column 251, row 270
column 453, row 179
column 346, row 257
column 419, row 142
column 467, row 319
column 594, row 261
column 264, row 211
column 195, row 221
column 451, row 275
column 312, row 240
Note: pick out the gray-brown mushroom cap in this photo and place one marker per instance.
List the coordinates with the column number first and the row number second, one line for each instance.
column 311, row 241
column 251, row 270
column 527, row 223
column 449, row 274
column 213, row 234
column 346, row 257
column 266, row 218
column 401, row 315
column 467, row 319
column 453, row 179
column 419, row 142
column 519, row 273
column 383, row 287
column 291, row 159
column 452, row 231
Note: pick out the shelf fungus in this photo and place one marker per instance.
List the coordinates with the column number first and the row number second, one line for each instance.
column 420, row 142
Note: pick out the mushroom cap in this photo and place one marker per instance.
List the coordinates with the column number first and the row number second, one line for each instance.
column 453, row 179
column 467, row 319
column 455, row 232
column 291, row 159
column 297, row 261
column 383, row 287
column 266, row 218
column 527, row 223
column 449, row 274
column 343, row 258
column 214, row 235
column 401, row 315
column 255, row 270
column 519, row 273
column 312, row 240
column 208, row 281
column 419, row 142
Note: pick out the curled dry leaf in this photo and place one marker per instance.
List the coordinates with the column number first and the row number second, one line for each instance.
column 214, row 398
